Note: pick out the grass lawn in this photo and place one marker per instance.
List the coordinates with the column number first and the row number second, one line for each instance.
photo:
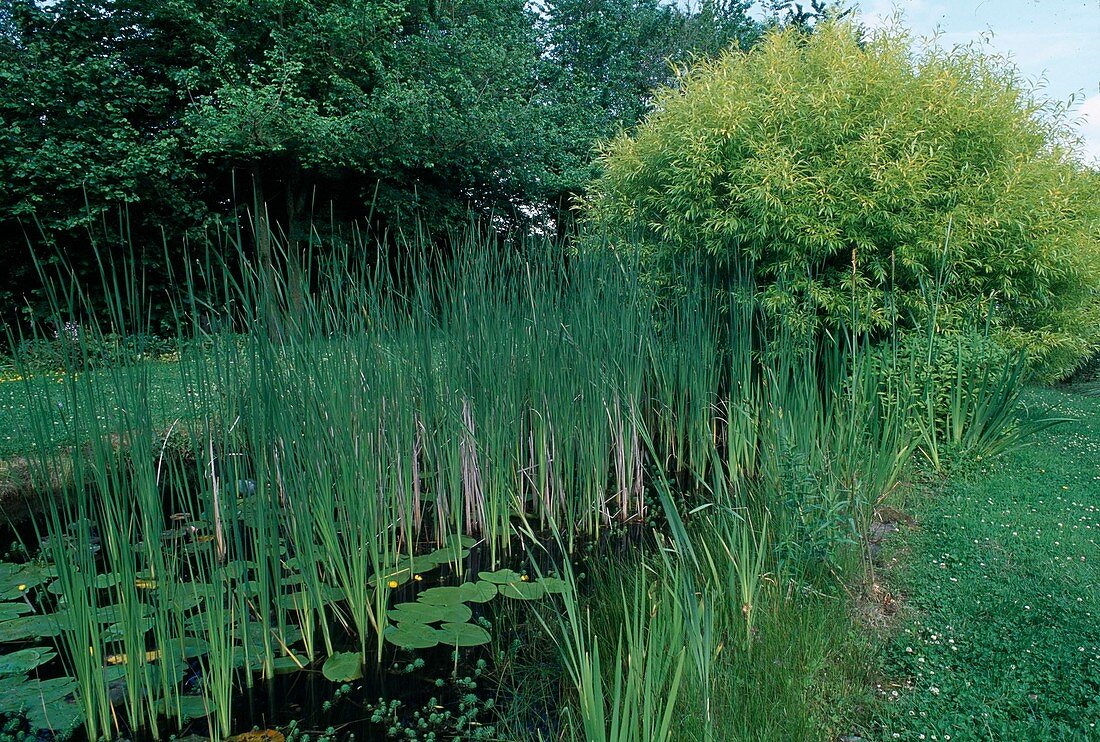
column 49, row 399
column 1001, row 636
column 48, row 396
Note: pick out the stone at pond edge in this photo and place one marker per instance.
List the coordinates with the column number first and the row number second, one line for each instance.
column 343, row 666
column 264, row 735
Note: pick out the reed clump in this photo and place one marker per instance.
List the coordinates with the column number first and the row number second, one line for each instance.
column 366, row 415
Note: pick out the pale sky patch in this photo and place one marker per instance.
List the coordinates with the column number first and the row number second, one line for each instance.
column 1056, row 42
column 1090, row 128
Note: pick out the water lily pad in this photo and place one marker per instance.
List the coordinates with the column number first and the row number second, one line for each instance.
column 254, row 635
column 185, row 598
column 296, row 601
column 117, row 631
column 188, row 708
column 48, row 704
column 246, row 656
column 413, row 636
column 478, row 592
column 45, row 692
column 25, row 660
column 191, row 646
column 29, row 627
column 523, row 590
column 501, row 576
column 17, row 579
column 200, row 545
column 9, row 611
column 391, row 575
column 287, row 665
column 332, row 594
column 234, row 571
column 105, row 581
column 343, row 666
column 442, row 596
column 292, row 580
column 202, row 623
column 554, row 585
column 463, row 635
column 53, row 707
column 447, row 555
column 420, row 612
column 116, row 614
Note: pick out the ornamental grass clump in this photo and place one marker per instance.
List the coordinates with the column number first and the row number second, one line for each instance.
column 837, row 161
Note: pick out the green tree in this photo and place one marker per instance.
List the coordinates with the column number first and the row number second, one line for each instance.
column 171, row 113
column 88, row 141
column 421, row 107
column 850, row 169
column 605, row 58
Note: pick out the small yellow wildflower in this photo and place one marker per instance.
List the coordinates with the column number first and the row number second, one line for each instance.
column 22, row 588
column 392, row 584
column 418, row 578
column 524, row 578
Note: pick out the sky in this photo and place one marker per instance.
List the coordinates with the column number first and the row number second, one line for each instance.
column 1053, row 40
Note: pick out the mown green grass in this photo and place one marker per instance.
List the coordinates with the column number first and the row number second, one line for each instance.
column 1001, row 637
column 22, row 398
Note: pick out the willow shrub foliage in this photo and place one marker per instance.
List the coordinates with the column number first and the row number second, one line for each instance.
column 869, row 176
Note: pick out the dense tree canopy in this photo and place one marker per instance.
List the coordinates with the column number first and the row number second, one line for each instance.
column 134, row 120
column 438, row 104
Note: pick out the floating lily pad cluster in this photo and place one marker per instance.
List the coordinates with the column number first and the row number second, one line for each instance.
column 33, row 611
column 17, row 579
column 48, row 704
column 409, row 567
column 440, row 615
